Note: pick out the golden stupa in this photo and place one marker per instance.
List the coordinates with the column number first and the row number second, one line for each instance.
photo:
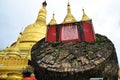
column 14, row 58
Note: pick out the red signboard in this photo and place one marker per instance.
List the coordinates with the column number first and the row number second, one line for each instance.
column 69, row 32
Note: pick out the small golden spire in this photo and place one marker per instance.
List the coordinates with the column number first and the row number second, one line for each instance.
column 85, row 17
column 52, row 21
column 69, row 17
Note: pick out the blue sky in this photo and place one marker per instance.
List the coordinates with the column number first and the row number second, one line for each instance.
column 15, row 15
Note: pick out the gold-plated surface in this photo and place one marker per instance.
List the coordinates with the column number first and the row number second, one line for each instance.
column 10, row 65
column 69, row 17
column 52, row 21
column 85, row 17
column 34, row 32
column 14, row 76
column 15, row 57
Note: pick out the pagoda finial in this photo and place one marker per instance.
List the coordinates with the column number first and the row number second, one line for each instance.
column 69, row 9
column 68, row 2
column 69, row 17
column 44, row 4
column 53, row 15
column 41, row 19
column 85, row 17
column 53, row 21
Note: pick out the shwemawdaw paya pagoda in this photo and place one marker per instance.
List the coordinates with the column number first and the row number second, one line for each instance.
column 15, row 58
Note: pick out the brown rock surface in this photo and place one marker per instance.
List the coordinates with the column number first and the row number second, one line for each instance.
column 75, row 60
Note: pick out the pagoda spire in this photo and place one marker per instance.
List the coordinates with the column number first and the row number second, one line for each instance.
column 44, row 4
column 53, row 21
column 41, row 19
column 85, row 17
column 69, row 17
